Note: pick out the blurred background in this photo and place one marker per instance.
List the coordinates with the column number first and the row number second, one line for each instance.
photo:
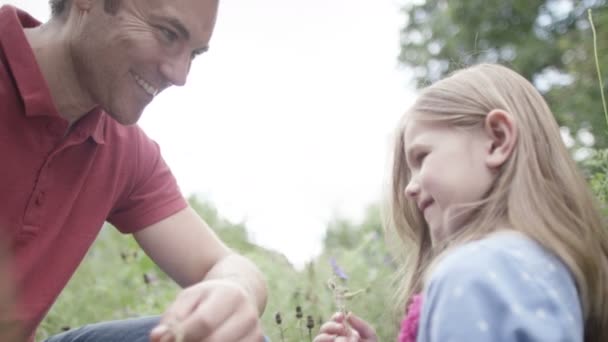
column 281, row 138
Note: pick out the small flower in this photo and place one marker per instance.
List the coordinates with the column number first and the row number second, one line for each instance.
column 338, row 271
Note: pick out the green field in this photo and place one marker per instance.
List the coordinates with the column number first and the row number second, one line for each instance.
column 117, row 280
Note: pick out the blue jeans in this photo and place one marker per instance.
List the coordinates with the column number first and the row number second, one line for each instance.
column 127, row 330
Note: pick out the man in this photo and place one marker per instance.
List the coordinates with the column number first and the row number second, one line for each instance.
column 71, row 91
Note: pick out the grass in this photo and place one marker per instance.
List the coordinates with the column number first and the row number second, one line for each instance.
column 116, row 280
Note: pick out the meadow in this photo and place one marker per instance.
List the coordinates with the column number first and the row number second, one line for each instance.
column 117, row 280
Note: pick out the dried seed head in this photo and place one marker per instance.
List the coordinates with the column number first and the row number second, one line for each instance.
column 277, row 318
column 310, row 322
column 299, row 312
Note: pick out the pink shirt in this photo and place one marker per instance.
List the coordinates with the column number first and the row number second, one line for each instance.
column 57, row 190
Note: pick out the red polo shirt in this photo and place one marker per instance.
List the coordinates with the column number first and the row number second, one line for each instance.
column 56, row 191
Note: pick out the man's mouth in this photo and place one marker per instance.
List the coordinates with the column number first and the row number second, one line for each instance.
column 145, row 85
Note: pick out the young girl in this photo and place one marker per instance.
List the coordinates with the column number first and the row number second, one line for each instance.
column 505, row 240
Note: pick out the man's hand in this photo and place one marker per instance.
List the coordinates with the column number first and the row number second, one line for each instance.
column 212, row 310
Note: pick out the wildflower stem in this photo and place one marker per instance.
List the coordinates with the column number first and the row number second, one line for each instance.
column 597, row 65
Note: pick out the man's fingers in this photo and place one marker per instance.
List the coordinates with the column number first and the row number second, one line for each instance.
column 169, row 329
column 186, row 302
column 213, row 315
column 242, row 329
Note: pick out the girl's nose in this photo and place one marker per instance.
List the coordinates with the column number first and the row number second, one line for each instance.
column 412, row 189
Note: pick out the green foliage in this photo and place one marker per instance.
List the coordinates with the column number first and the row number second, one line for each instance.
column 596, row 171
column 342, row 233
column 117, row 280
column 547, row 41
column 234, row 234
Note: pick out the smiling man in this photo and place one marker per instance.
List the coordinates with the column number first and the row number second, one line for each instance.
column 71, row 92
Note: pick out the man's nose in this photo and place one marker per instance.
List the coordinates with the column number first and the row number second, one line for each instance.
column 176, row 69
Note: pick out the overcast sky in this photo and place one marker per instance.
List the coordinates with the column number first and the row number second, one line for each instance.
column 285, row 122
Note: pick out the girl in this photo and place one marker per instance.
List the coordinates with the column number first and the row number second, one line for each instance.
column 505, row 240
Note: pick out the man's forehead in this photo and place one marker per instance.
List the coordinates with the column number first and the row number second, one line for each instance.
column 194, row 14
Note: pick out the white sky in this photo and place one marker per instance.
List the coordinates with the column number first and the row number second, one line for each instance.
column 285, row 122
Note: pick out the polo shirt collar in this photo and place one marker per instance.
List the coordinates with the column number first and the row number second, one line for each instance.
column 31, row 85
column 30, row 82
column 93, row 124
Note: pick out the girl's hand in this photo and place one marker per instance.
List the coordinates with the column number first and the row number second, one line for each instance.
column 336, row 330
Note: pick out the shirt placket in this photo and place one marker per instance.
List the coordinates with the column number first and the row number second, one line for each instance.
column 35, row 213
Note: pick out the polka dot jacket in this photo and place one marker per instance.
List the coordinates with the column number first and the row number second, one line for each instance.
column 505, row 288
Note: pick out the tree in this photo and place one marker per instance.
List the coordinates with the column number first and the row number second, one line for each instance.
column 548, row 41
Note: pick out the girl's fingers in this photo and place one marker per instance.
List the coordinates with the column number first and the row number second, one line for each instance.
column 333, row 328
column 337, row 317
column 365, row 330
column 325, row 338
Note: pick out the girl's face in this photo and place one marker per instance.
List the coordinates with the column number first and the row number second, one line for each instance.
column 448, row 168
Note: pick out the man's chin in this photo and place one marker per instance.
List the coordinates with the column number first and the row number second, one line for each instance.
column 125, row 120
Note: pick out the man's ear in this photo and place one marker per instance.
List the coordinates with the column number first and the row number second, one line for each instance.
column 501, row 128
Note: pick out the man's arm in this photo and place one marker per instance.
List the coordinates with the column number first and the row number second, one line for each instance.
column 188, row 250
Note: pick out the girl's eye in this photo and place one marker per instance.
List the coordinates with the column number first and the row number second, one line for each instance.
column 420, row 157
column 169, row 35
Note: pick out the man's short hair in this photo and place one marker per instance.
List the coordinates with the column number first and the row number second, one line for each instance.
column 58, row 6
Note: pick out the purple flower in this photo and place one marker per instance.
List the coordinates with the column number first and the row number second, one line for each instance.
column 338, row 271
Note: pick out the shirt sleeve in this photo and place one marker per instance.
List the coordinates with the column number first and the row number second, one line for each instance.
column 480, row 294
column 152, row 193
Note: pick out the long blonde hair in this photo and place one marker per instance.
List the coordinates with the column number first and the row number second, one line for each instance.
column 538, row 191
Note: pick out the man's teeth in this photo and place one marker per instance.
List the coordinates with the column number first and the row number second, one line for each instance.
column 145, row 85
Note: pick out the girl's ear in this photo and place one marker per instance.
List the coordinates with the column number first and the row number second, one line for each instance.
column 501, row 128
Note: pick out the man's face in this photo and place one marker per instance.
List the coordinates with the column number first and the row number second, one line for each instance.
column 125, row 52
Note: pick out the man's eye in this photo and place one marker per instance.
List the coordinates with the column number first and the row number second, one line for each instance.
column 168, row 34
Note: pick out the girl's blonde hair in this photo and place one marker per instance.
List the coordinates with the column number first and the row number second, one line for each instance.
column 538, row 191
